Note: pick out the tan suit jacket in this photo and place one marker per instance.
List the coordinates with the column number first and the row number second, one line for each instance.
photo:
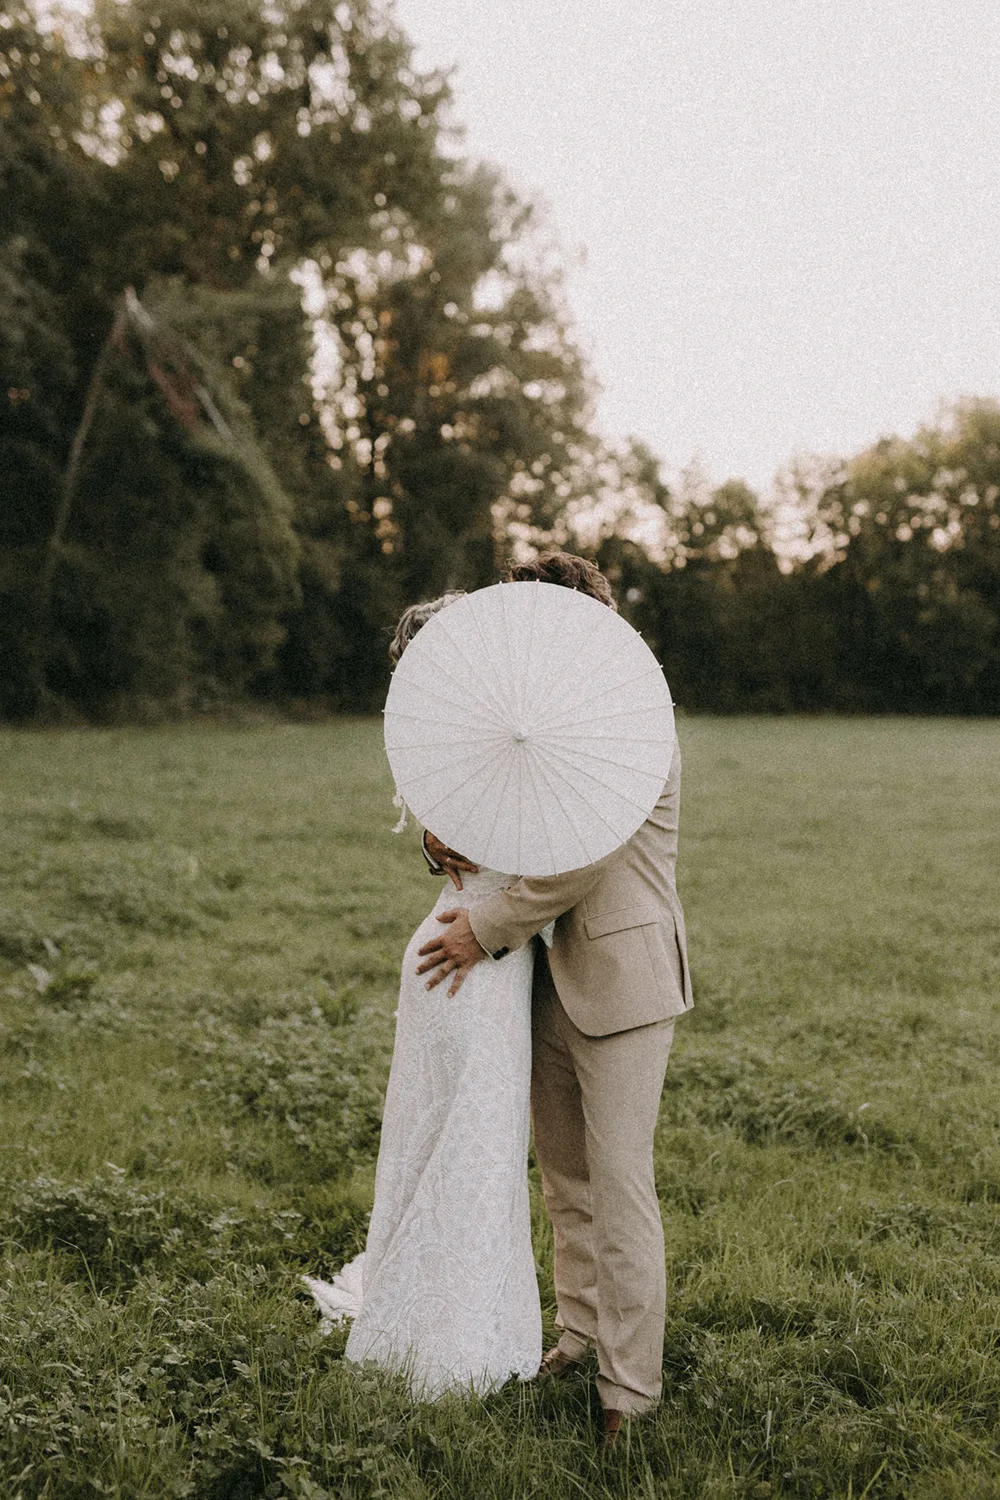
column 619, row 954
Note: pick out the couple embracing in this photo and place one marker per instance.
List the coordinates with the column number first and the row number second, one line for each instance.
column 560, row 991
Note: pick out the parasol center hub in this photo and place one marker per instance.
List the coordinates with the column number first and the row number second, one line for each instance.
column 520, row 736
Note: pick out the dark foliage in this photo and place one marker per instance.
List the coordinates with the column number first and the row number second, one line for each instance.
column 275, row 363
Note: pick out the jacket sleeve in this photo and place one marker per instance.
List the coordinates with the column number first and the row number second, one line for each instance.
column 511, row 918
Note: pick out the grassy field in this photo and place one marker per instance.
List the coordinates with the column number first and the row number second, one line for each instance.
column 199, row 934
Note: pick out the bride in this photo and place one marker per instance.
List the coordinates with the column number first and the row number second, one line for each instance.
column 445, row 1292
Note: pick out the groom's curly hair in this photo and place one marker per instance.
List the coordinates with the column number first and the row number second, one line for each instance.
column 564, row 568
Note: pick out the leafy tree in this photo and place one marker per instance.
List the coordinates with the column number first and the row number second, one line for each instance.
column 180, row 537
column 907, row 536
column 890, row 600
column 48, row 202
column 703, row 586
column 223, row 158
column 461, row 406
column 256, row 135
column 274, row 362
column 179, row 555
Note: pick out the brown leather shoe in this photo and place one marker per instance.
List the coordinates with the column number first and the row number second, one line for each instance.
column 555, row 1362
column 615, row 1431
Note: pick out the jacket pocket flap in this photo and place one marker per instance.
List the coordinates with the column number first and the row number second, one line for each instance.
column 618, row 921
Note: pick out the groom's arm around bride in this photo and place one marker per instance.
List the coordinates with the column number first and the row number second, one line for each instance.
column 619, row 952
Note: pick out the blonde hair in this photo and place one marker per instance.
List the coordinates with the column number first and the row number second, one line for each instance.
column 414, row 618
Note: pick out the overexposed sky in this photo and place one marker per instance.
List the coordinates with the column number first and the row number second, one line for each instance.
column 782, row 217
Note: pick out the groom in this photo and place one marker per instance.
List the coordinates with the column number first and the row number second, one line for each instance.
column 603, row 1007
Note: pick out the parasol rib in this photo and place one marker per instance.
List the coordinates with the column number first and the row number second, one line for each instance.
column 609, row 760
column 519, row 822
column 467, row 739
column 454, row 790
column 543, row 772
column 530, row 654
column 655, row 778
column 490, row 708
column 471, row 708
column 521, row 678
column 452, row 703
column 506, row 781
column 529, row 761
column 614, row 713
column 501, row 669
column 588, row 739
column 482, row 685
column 452, row 765
column 579, row 792
column 604, row 693
column 552, row 671
column 440, row 744
column 579, row 648
column 605, row 785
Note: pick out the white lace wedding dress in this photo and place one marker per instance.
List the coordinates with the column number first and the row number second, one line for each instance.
column 445, row 1291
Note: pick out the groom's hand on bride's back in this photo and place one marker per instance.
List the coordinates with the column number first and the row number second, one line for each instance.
column 451, row 862
column 454, row 952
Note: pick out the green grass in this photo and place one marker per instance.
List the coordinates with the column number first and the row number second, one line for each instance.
column 199, row 934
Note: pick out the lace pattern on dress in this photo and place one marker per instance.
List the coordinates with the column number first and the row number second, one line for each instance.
column 445, row 1292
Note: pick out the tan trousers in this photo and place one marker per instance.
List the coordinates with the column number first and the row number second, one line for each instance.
column 594, row 1103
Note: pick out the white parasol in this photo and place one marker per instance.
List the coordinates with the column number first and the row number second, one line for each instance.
column 530, row 727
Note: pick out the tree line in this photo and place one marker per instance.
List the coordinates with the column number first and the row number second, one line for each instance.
column 276, row 360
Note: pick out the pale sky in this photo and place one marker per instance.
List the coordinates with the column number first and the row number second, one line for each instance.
column 781, row 217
